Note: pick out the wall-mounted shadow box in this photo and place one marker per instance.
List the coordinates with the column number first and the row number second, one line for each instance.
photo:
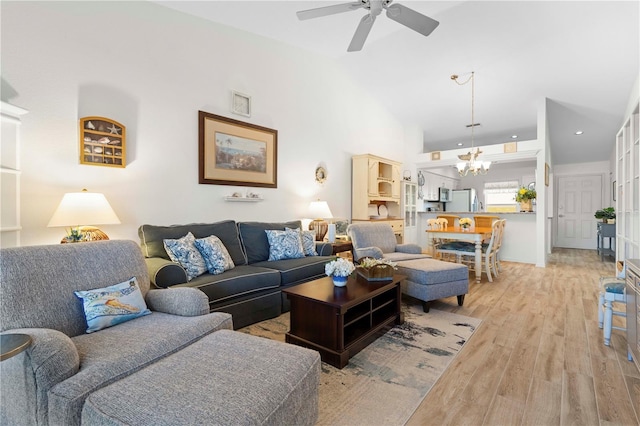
column 102, row 142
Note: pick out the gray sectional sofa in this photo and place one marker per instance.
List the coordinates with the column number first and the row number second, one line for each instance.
column 178, row 364
column 251, row 291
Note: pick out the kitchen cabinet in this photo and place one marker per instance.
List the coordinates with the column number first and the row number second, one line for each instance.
column 433, row 183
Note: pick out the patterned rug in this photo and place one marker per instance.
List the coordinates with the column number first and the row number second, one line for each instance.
column 385, row 382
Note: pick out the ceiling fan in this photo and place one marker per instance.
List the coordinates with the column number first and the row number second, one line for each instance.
column 401, row 14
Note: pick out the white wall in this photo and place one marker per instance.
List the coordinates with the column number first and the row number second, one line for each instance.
column 152, row 69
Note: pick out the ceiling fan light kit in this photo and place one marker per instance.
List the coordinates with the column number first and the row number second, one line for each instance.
column 396, row 12
column 470, row 162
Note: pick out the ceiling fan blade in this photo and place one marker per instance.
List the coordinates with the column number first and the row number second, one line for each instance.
column 361, row 33
column 328, row 10
column 412, row 19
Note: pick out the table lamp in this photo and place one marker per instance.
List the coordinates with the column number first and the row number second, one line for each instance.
column 320, row 210
column 77, row 210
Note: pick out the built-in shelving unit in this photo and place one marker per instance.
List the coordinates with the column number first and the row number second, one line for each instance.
column 628, row 188
column 376, row 191
column 10, row 174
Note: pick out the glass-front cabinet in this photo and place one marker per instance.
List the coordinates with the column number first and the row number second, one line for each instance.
column 627, row 188
column 410, row 209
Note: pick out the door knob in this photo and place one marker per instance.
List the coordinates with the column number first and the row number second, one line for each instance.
column 560, row 215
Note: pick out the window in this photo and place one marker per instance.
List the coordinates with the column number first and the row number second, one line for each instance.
column 501, row 196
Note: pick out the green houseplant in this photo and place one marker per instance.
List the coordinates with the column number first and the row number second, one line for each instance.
column 605, row 214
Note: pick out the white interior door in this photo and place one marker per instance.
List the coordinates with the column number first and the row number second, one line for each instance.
column 578, row 199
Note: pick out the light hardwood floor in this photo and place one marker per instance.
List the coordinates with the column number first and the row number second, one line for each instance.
column 538, row 357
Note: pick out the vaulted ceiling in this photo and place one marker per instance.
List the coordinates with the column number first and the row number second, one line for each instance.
column 581, row 55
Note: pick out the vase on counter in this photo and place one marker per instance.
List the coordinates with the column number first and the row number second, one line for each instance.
column 525, row 206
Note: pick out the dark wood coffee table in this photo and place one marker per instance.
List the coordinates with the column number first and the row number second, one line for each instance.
column 339, row 322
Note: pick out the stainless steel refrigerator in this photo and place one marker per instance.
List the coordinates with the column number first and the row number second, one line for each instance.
column 463, row 200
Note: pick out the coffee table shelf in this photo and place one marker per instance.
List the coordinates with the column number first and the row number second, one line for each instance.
column 339, row 322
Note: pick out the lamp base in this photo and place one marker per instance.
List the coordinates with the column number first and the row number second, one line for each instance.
column 320, row 227
column 84, row 233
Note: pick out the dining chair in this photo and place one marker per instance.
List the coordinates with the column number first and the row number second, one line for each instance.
column 465, row 252
column 451, row 218
column 451, row 221
column 497, row 268
column 612, row 290
column 484, row 220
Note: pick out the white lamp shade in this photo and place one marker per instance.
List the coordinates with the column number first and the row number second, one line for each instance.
column 320, row 210
column 83, row 208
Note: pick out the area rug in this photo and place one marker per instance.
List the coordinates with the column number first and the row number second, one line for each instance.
column 385, row 382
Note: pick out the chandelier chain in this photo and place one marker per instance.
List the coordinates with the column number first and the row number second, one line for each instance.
column 471, row 164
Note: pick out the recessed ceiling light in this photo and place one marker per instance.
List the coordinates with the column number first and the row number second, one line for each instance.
column 514, row 136
column 579, row 132
column 460, row 144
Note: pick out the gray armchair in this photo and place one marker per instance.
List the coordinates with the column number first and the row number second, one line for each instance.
column 49, row 382
column 377, row 240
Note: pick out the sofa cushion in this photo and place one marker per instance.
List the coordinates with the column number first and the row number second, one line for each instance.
column 241, row 280
column 184, row 251
column 215, row 254
column 108, row 306
column 117, row 352
column 294, row 271
column 151, row 237
column 284, row 244
column 432, row 271
column 308, row 241
column 227, row 378
column 254, row 239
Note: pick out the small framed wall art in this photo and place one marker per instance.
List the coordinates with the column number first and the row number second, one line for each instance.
column 546, row 174
column 233, row 152
column 102, row 142
column 240, row 104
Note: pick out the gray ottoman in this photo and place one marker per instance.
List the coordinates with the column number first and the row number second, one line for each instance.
column 430, row 279
column 226, row 378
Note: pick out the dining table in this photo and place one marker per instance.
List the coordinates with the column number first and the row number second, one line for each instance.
column 473, row 234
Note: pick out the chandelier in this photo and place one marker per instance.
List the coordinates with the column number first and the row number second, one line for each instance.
column 470, row 162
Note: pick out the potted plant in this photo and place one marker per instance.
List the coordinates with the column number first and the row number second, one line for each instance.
column 524, row 197
column 607, row 215
column 465, row 222
column 339, row 270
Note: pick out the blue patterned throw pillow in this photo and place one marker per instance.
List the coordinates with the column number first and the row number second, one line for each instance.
column 284, row 244
column 215, row 254
column 106, row 307
column 308, row 241
column 184, row 251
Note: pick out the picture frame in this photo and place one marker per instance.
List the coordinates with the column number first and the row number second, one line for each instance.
column 240, row 103
column 546, row 174
column 232, row 152
column 613, row 190
column 510, row 147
